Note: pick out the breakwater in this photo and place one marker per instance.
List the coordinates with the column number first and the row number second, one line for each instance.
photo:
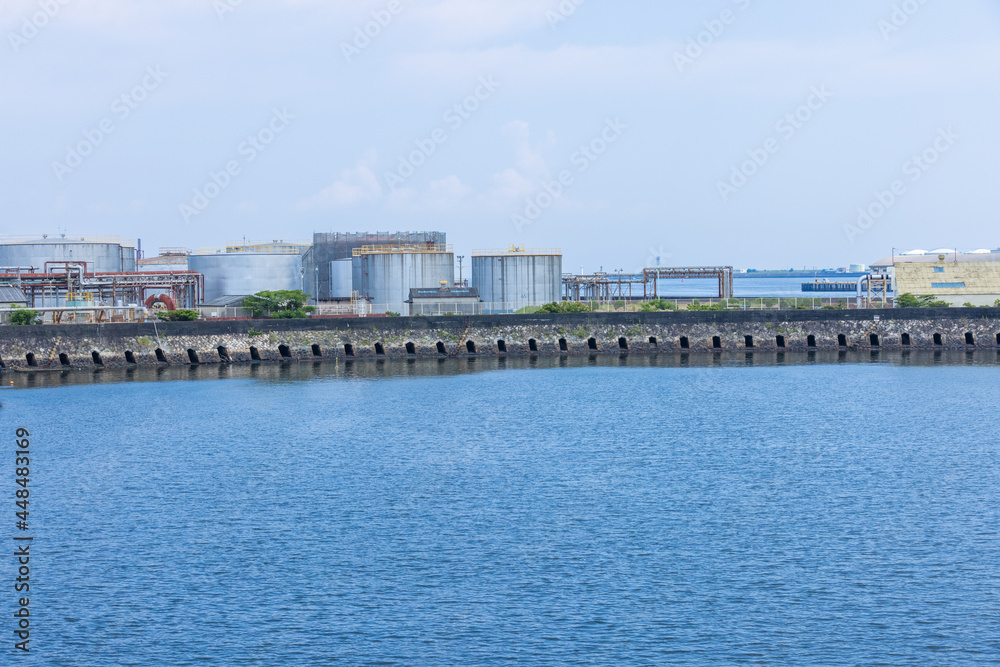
column 180, row 343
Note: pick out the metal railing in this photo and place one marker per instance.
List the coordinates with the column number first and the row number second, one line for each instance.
column 83, row 314
column 516, row 250
column 407, row 249
column 261, row 249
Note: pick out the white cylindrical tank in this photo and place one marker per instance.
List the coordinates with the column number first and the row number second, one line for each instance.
column 341, row 278
column 511, row 279
column 101, row 254
column 244, row 273
column 385, row 276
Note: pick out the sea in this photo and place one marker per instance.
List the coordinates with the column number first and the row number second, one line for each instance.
column 812, row 509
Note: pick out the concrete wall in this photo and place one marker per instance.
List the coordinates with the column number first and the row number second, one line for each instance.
column 268, row 337
column 982, row 280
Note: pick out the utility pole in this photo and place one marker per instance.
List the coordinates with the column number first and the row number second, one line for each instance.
column 460, row 258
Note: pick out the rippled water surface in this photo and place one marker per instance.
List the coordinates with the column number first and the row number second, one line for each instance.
column 713, row 511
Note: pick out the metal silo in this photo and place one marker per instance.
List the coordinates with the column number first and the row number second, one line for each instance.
column 515, row 278
column 341, row 278
column 102, row 254
column 385, row 274
column 243, row 273
column 333, row 246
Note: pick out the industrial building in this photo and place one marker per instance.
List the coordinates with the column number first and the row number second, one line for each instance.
column 327, row 281
column 384, row 275
column 445, row 300
column 515, row 278
column 97, row 254
column 947, row 275
column 12, row 297
column 89, row 278
column 243, row 269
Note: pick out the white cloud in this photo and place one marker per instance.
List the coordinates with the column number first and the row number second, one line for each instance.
column 443, row 196
column 353, row 186
column 530, row 169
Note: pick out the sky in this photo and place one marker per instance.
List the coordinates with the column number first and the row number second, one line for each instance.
column 628, row 134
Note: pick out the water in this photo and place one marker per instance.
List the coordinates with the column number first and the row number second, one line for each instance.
column 695, row 509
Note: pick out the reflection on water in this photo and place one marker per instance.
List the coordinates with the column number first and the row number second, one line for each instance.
column 297, row 371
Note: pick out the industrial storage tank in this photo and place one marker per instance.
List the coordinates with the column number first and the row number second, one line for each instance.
column 384, row 275
column 169, row 260
column 102, row 254
column 515, row 278
column 279, row 246
column 341, row 278
column 244, row 273
column 329, row 247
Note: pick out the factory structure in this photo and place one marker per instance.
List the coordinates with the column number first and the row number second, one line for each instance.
column 91, row 278
column 242, row 269
column 516, row 278
column 946, row 274
column 106, row 278
column 96, row 279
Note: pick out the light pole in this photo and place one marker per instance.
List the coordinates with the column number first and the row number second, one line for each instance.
column 316, row 296
column 460, row 258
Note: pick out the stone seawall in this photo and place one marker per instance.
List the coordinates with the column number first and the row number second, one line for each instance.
column 55, row 346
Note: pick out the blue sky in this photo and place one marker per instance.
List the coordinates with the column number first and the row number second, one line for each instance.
column 605, row 129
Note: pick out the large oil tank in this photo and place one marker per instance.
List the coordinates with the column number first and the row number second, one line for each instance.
column 242, row 273
column 169, row 260
column 515, row 278
column 102, row 254
column 329, row 247
column 341, row 278
column 385, row 274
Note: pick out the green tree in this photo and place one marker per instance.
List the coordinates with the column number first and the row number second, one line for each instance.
column 283, row 304
column 24, row 316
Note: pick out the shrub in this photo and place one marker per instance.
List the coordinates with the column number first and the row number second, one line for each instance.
column 697, row 306
column 389, row 313
column 24, row 316
column 926, row 301
column 656, row 305
column 178, row 315
column 565, row 307
column 294, row 314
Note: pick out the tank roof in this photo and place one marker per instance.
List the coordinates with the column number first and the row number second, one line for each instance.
column 63, row 238
column 517, row 250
